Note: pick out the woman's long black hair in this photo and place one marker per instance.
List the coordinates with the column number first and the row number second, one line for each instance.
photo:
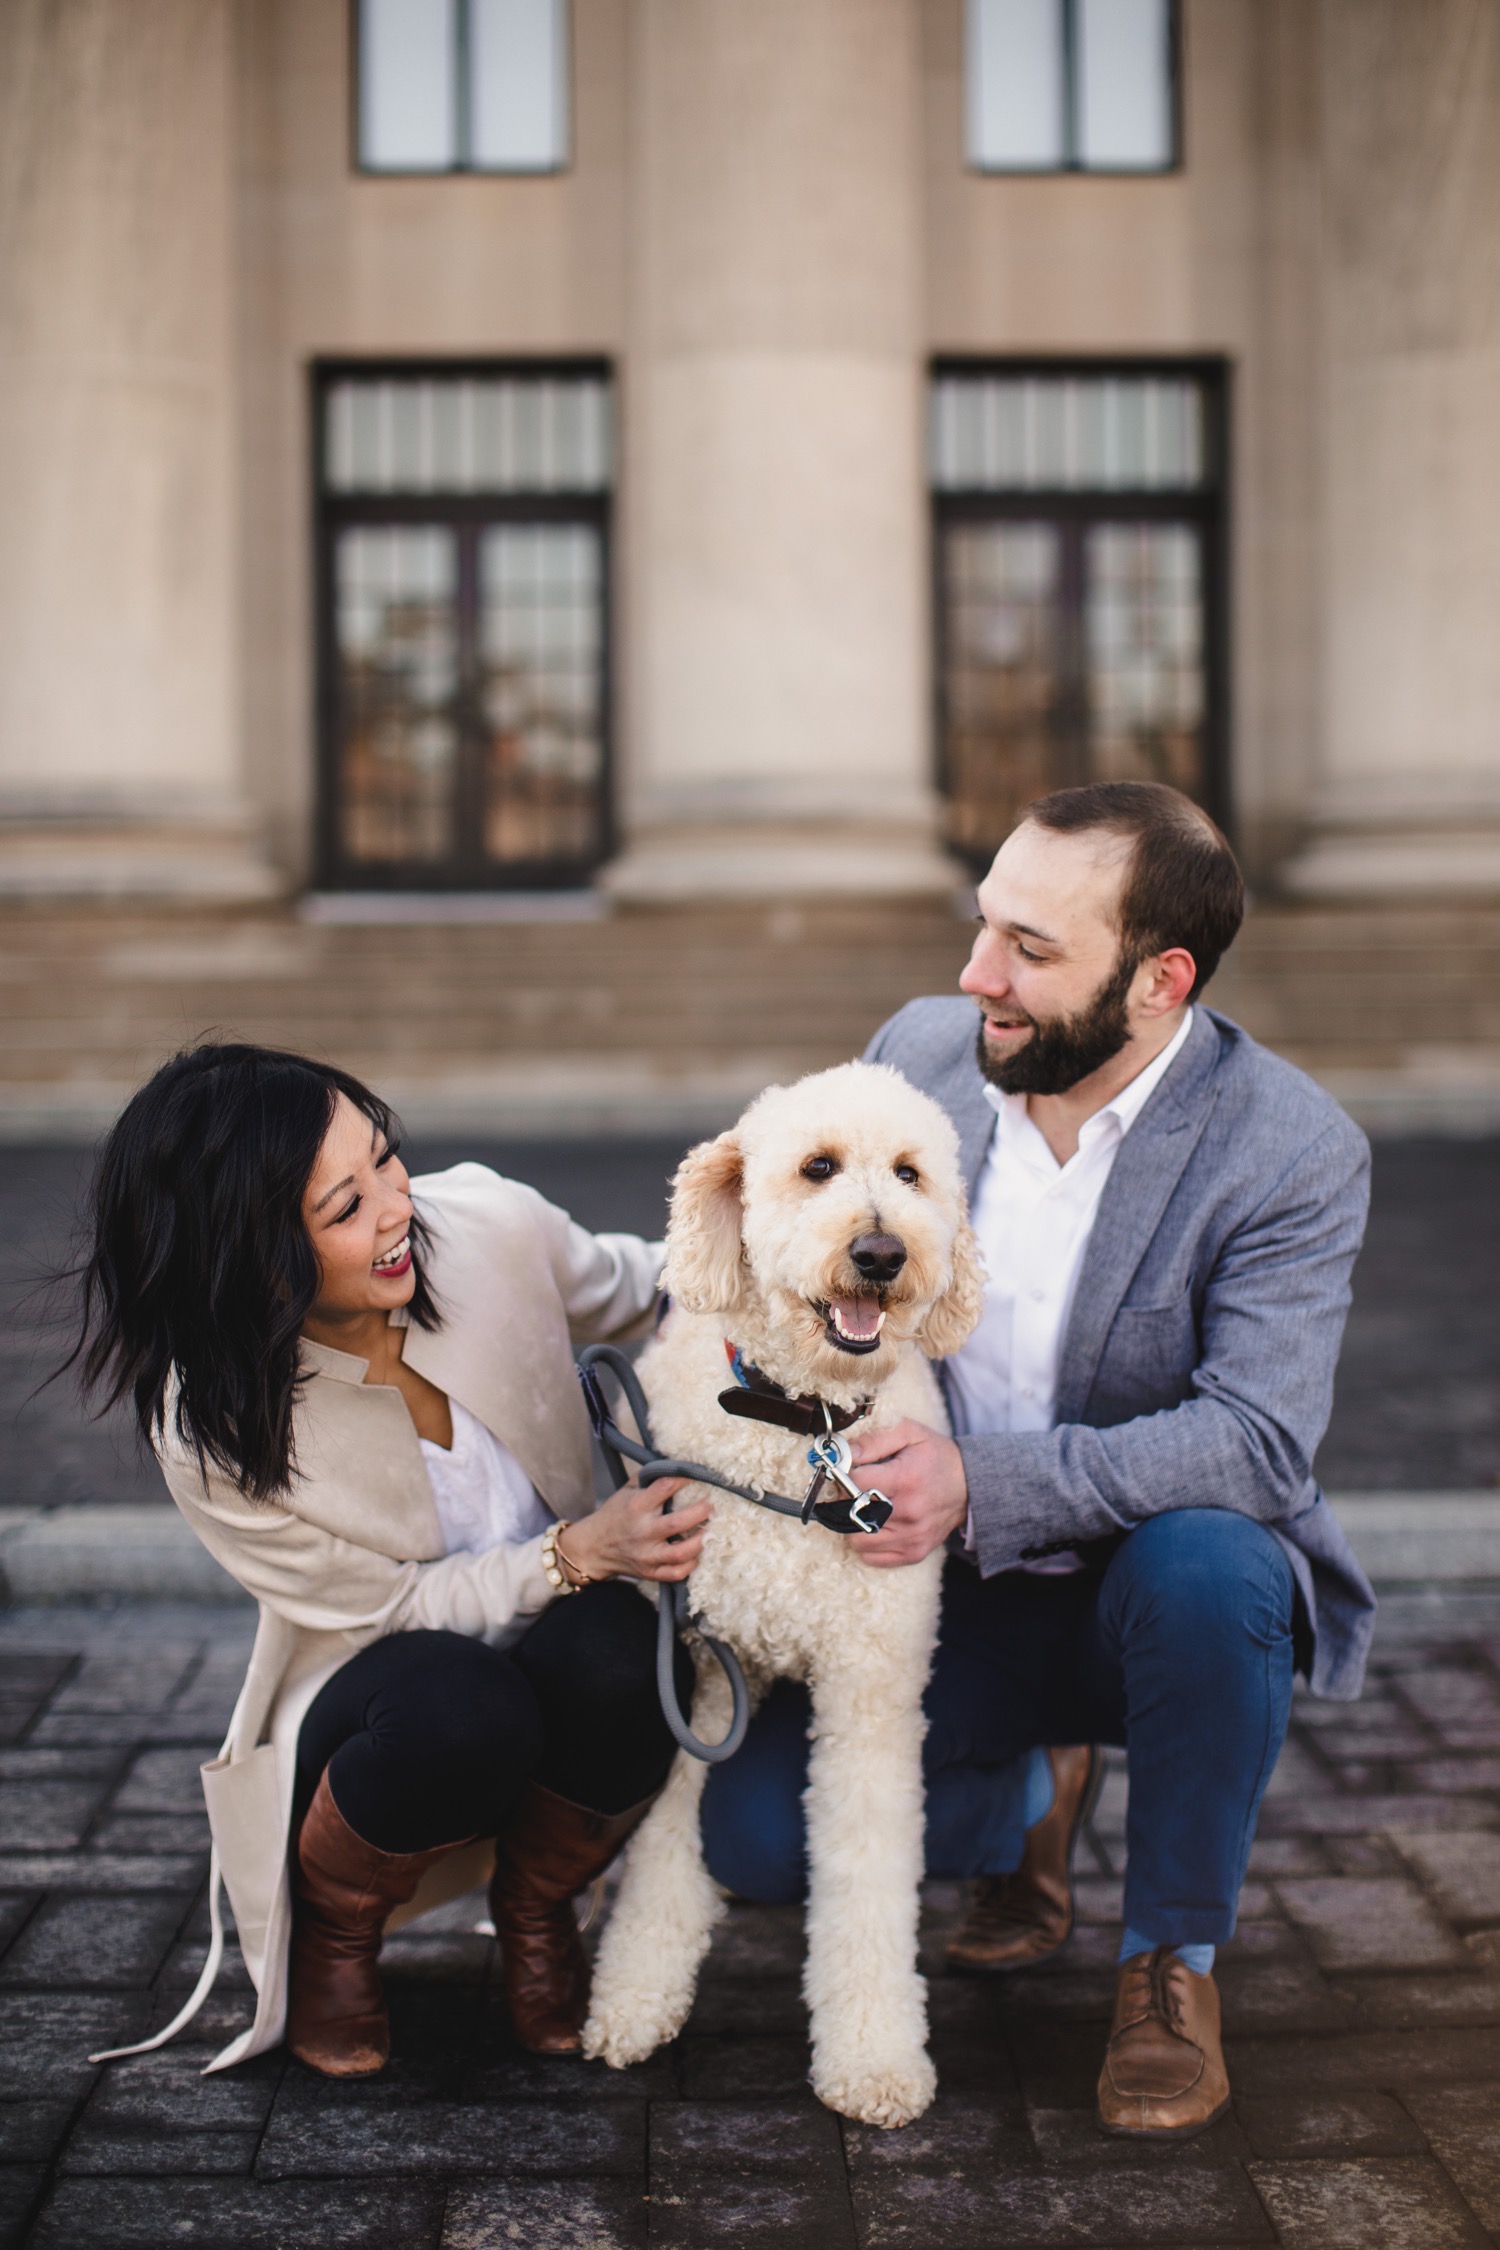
column 199, row 1264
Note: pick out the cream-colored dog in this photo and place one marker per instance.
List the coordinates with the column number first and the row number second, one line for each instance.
column 826, row 1239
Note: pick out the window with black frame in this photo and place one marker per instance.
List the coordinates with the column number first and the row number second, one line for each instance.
column 1078, row 534
column 461, row 85
column 463, row 535
column 1072, row 85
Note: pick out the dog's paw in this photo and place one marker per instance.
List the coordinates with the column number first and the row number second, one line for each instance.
column 889, row 2094
column 611, row 2043
column 607, row 2040
column 621, row 2036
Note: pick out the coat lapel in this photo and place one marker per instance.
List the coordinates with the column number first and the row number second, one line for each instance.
column 1152, row 1159
column 386, row 1504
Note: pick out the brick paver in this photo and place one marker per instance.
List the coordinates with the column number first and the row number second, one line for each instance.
column 1362, row 2002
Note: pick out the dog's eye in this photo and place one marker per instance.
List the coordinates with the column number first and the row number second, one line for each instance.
column 819, row 1168
column 907, row 1174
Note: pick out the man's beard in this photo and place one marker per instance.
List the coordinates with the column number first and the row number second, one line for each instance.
column 1061, row 1053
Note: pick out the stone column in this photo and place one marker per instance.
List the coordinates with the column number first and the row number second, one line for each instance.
column 777, row 732
column 1409, row 796
column 118, row 753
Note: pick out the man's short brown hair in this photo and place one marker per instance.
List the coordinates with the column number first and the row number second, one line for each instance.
column 1183, row 886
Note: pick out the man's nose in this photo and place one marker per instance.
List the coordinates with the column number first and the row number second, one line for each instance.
column 983, row 975
column 879, row 1257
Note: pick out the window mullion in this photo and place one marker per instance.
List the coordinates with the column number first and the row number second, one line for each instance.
column 463, row 93
column 1072, row 135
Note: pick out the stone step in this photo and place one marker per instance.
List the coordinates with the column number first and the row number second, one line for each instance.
column 146, row 1552
column 556, row 1023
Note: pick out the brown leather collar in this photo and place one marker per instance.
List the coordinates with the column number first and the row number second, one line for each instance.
column 755, row 1398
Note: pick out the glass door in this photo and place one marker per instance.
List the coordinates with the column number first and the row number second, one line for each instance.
column 1145, row 654
column 1005, row 675
column 1070, row 651
column 468, row 702
column 540, row 686
column 463, row 620
column 400, row 716
column 1078, row 524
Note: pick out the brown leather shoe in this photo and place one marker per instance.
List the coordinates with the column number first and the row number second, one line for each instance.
column 551, row 1850
column 1163, row 2077
column 343, row 1891
column 1014, row 1920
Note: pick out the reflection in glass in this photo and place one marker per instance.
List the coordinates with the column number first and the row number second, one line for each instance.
column 1073, row 652
column 397, row 656
column 518, row 60
column 1004, row 654
column 1124, row 95
column 1063, row 85
column 540, row 622
column 1013, row 72
column 993, row 432
column 450, row 433
column 1144, row 636
column 408, row 111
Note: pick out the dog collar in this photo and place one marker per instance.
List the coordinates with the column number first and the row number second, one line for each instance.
column 756, row 1398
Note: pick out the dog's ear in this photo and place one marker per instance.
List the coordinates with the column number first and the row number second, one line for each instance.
column 951, row 1320
column 705, row 1262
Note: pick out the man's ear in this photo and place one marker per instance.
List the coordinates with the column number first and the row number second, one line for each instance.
column 1173, row 975
column 952, row 1319
column 705, row 1262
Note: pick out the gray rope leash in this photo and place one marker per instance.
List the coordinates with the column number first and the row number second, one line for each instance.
column 671, row 1607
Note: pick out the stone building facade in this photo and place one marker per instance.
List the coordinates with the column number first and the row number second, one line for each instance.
column 739, row 662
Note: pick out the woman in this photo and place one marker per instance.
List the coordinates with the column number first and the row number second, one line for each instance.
column 362, row 1395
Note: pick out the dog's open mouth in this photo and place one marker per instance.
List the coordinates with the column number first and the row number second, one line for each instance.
column 853, row 1324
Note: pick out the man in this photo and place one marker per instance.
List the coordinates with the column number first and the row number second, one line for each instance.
column 1169, row 1216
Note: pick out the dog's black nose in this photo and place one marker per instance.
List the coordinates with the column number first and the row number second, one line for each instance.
column 879, row 1257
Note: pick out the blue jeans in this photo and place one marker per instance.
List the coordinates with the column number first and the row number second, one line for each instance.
column 1180, row 1648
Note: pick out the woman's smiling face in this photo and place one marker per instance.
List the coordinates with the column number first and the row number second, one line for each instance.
column 357, row 1209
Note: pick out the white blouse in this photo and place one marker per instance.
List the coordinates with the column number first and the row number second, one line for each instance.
column 484, row 1497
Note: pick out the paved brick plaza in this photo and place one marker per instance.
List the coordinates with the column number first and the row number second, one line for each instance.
column 1362, row 1996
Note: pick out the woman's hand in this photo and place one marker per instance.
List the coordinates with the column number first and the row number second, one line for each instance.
column 632, row 1536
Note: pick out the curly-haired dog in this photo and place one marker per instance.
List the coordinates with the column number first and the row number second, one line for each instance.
column 825, row 1242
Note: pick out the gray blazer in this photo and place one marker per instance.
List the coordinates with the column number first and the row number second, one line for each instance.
column 1197, row 1365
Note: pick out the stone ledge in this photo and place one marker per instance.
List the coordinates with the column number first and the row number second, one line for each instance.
column 577, row 1098
column 1407, row 1537
column 129, row 1552
column 106, row 1552
column 531, row 1097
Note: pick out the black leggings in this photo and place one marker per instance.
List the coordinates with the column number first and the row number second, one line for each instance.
column 428, row 1737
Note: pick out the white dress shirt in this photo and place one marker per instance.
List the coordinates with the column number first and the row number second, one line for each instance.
column 1033, row 1218
column 484, row 1497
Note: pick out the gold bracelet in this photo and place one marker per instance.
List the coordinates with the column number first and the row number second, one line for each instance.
column 551, row 1567
column 580, row 1578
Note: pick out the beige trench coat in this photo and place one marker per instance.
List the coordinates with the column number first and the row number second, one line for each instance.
column 355, row 1550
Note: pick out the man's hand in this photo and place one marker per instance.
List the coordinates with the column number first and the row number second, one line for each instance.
column 921, row 1473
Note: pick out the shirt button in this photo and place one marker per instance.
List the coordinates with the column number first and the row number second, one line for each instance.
column 1039, row 1296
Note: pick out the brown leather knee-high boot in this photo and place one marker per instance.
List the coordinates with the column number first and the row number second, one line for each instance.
column 551, row 1850
column 343, row 1893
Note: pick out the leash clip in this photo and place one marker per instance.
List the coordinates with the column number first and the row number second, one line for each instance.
column 832, row 1463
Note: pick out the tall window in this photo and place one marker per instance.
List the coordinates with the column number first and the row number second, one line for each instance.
column 464, row 522
column 462, row 85
column 1071, row 85
column 1080, row 597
